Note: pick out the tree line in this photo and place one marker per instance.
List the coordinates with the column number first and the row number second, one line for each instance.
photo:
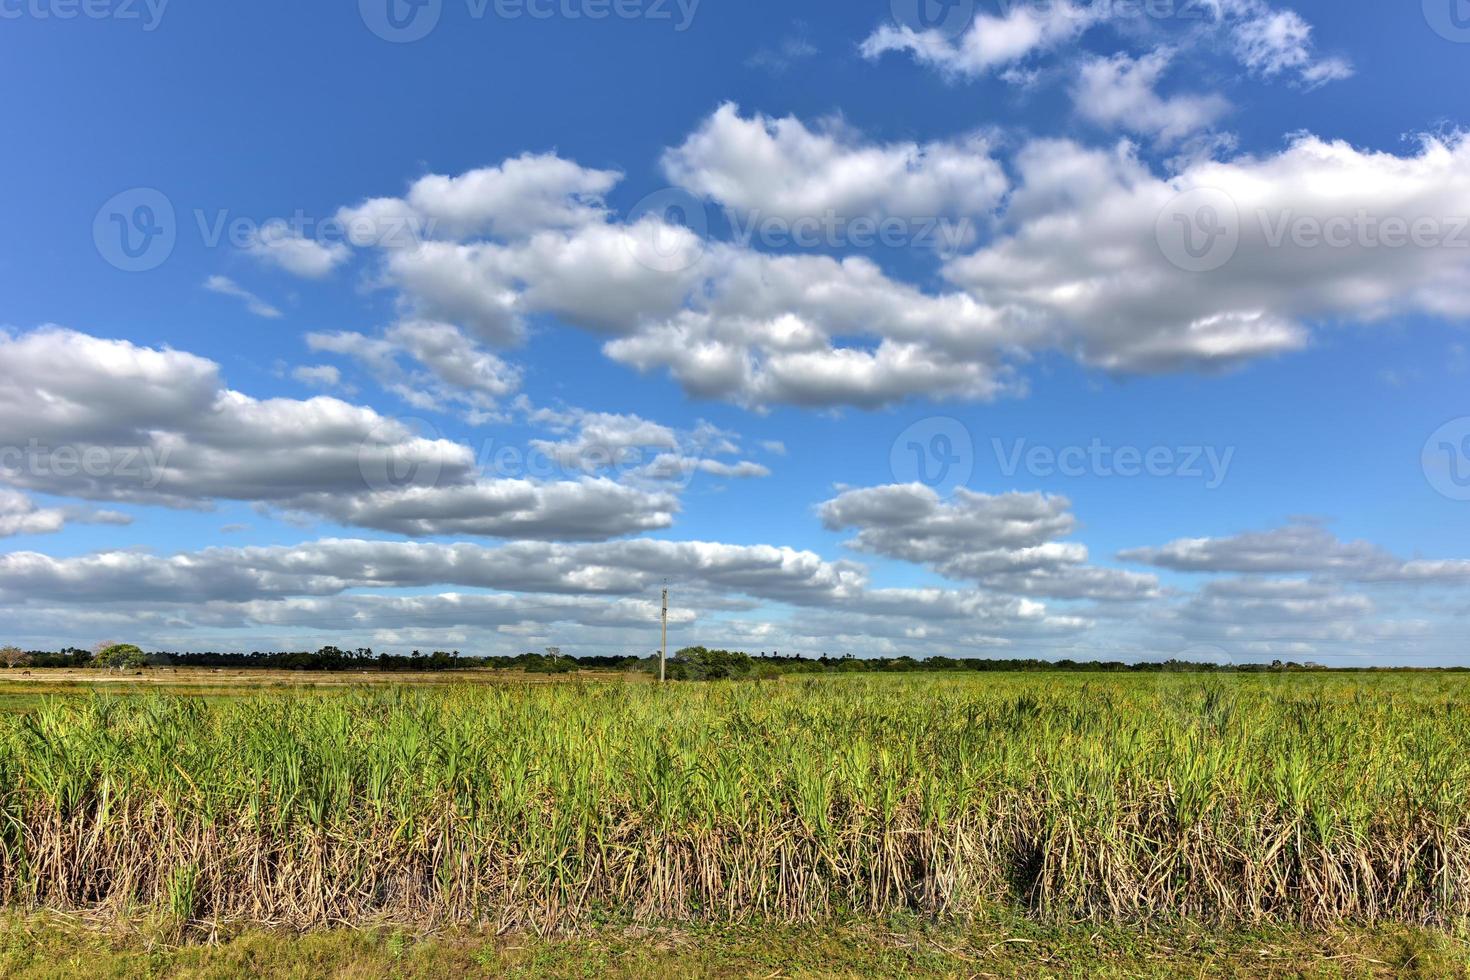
column 696, row 663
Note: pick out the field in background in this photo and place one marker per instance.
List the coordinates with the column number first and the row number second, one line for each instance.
column 22, row 689
column 1303, row 801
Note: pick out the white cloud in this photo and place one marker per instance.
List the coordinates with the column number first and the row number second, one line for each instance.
column 456, row 369
column 1119, row 92
column 521, row 196
column 21, row 515
column 990, row 42
column 567, row 510
column 781, row 168
column 638, row 450
column 1077, row 264
column 109, row 420
column 226, row 286
column 1082, row 263
column 1007, row 542
column 781, row 57
column 1299, row 548
column 323, row 376
column 1269, row 42
column 276, row 243
column 1272, row 42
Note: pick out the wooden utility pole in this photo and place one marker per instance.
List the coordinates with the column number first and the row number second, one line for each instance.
column 663, row 647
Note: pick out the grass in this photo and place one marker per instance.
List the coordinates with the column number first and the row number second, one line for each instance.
column 995, row 945
column 22, row 690
column 1308, row 801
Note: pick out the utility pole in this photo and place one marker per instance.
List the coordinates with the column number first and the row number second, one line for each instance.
column 663, row 648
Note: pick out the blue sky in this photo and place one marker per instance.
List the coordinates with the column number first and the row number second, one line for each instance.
column 566, row 237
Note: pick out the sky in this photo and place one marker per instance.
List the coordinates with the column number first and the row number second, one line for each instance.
column 1124, row 329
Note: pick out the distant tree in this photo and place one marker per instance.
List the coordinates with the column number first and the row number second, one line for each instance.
column 121, row 656
column 14, row 657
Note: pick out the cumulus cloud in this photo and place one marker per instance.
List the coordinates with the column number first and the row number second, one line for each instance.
column 1267, row 41
column 590, row 509
column 781, row 168
column 276, row 244
column 523, row 195
column 109, row 420
column 536, row 588
column 1078, row 259
column 1085, row 262
column 454, row 370
column 323, row 376
column 333, row 566
column 20, row 514
column 1272, row 42
column 991, row 41
column 599, row 440
column 733, row 323
column 1297, row 548
column 1007, row 542
column 1120, row 93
